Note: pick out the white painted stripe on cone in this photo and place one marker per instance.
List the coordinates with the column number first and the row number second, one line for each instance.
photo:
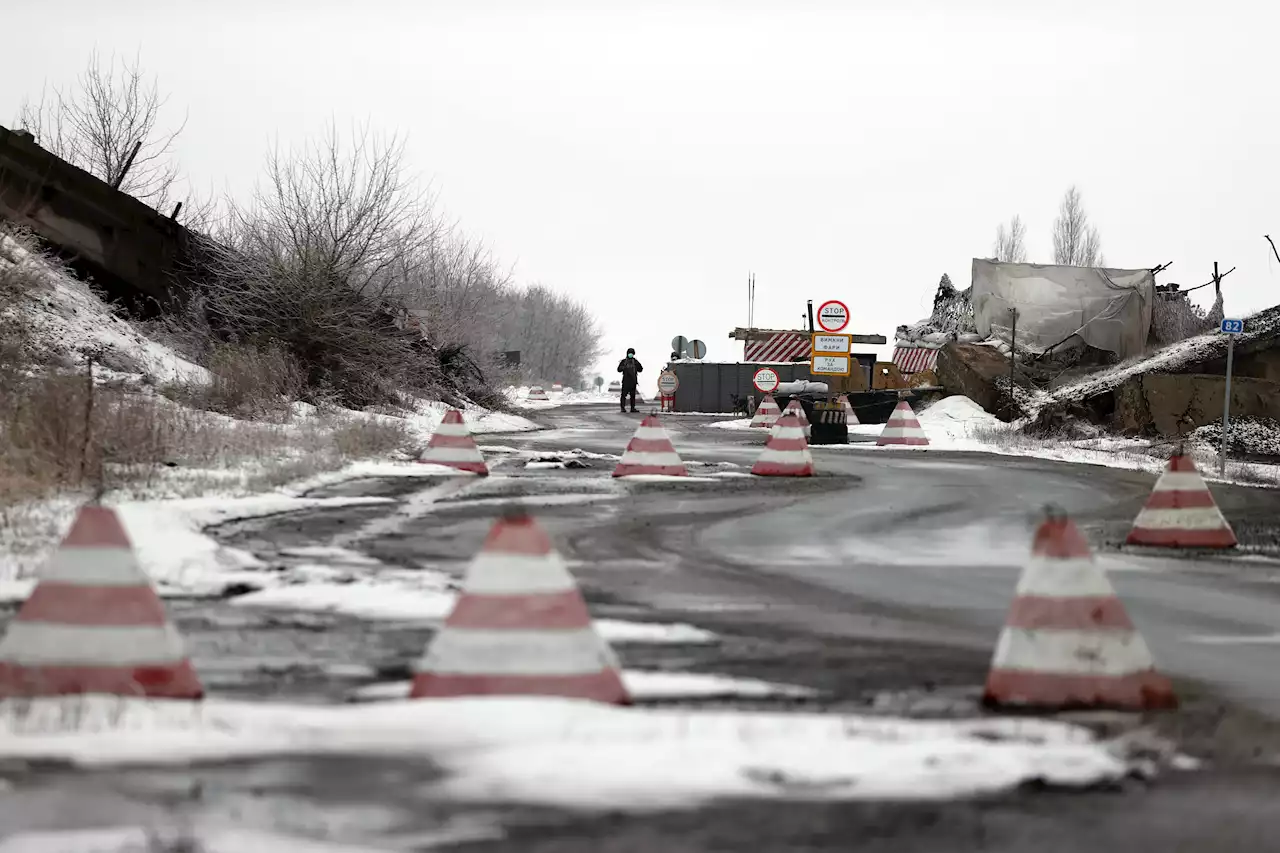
column 1180, row 481
column 1192, row 518
column 639, row 457
column 94, row 567
column 452, row 454
column 452, row 429
column 899, row 432
column 1063, row 652
column 1055, row 578
column 789, row 432
column 786, row 457
column 495, row 573
column 47, row 643
column 652, row 434
column 461, row 651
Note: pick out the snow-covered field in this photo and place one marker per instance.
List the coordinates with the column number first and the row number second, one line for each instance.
column 585, row 755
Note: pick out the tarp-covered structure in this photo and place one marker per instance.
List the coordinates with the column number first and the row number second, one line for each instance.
column 1108, row 309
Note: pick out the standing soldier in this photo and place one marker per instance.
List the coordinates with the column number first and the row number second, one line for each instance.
column 630, row 369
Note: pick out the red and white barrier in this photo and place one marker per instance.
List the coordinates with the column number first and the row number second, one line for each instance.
column 453, row 446
column 787, row 453
column 850, row 417
column 650, row 451
column 795, row 408
column 1181, row 512
column 767, row 413
column 520, row 627
column 1068, row 641
column 93, row 624
column 538, row 394
column 903, row 429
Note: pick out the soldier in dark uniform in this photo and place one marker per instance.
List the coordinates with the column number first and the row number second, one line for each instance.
column 630, row 369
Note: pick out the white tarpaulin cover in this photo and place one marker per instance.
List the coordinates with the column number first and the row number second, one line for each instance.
column 1109, row 309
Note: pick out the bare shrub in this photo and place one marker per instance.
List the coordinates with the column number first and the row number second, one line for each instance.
column 246, row 382
column 367, row 437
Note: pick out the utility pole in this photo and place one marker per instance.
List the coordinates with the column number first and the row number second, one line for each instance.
column 1013, row 354
column 1230, row 328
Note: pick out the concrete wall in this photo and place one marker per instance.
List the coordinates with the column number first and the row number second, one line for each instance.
column 123, row 244
column 1174, row 404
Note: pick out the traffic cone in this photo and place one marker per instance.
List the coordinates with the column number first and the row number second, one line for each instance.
column 795, row 408
column 93, row 624
column 902, row 429
column 850, row 417
column 1181, row 512
column 650, row 452
column 767, row 413
column 520, row 627
column 1068, row 641
column 787, row 453
column 537, row 393
column 452, row 445
column 557, row 388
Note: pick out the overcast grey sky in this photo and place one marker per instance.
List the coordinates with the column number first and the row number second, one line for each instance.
column 643, row 156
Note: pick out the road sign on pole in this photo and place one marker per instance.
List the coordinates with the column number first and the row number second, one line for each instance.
column 1230, row 328
column 829, row 365
column 679, row 345
column 668, row 382
column 833, row 344
column 697, row 349
column 766, row 380
column 833, row 315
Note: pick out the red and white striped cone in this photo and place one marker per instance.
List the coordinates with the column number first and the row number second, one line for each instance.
column 453, row 446
column 795, row 408
column 787, row 453
column 1181, row 512
column 767, row 413
column 93, row 624
column 903, row 429
column 520, row 627
column 850, row 417
column 537, row 393
column 1068, row 641
column 557, row 388
column 650, row 451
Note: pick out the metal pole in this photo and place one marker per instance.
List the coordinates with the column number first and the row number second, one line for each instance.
column 1013, row 354
column 1226, row 408
column 811, row 316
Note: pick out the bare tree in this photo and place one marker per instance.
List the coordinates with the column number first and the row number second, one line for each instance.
column 1075, row 242
column 1010, row 245
column 98, row 122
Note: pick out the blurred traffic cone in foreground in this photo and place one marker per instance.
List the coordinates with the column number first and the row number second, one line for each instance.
column 787, row 453
column 453, row 446
column 850, row 417
column 1068, row 641
column 93, row 624
column 520, row 627
column 1181, row 512
column 650, row 451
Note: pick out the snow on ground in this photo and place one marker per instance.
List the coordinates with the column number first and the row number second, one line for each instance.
column 204, row 836
column 585, row 755
column 737, row 423
column 71, row 318
column 643, row 685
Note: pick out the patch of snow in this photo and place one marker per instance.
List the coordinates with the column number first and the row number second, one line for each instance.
column 678, row 633
column 738, row 423
column 429, row 600
column 590, row 756
column 643, row 685
column 665, row 478
column 204, row 838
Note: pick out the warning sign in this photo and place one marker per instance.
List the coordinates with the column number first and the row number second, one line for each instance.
column 829, row 365
column 838, row 344
column 833, row 315
column 766, row 380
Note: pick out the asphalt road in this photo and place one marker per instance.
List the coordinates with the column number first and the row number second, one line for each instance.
column 945, row 535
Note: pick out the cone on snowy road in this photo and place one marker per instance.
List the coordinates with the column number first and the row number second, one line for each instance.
column 850, row 417
column 94, row 624
column 650, row 451
column 1068, row 641
column 453, row 446
column 557, row 388
column 795, row 408
column 903, row 429
column 787, row 453
column 767, row 413
column 1181, row 512
column 520, row 627
column 538, row 394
